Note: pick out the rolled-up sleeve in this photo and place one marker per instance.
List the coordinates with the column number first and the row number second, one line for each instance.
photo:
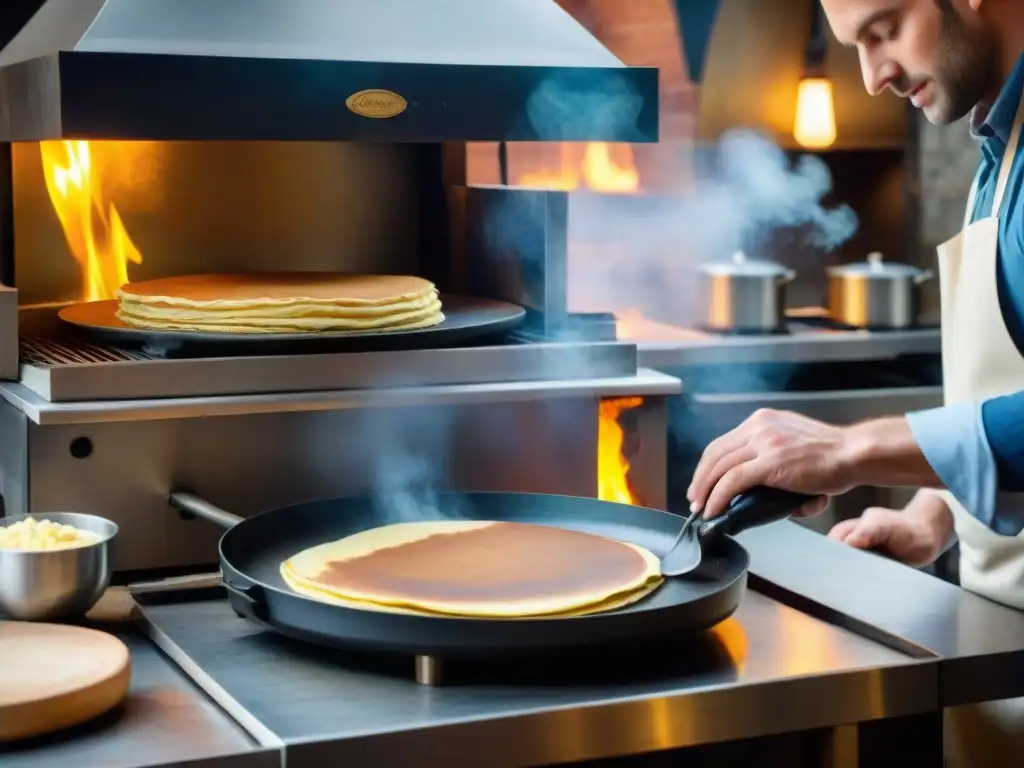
column 1003, row 418
column 954, row 442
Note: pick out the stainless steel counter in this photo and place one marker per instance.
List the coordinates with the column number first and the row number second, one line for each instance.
column 165, row 721
column 865, row 638
column 980, row 643
column 329, row 707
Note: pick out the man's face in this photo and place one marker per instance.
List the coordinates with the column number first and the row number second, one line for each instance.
column 941, row 54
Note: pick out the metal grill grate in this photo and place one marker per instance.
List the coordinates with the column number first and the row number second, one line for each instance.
column 49, row 353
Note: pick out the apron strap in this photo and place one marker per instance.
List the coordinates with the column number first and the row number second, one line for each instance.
column 1008, row 157
column 971, row 198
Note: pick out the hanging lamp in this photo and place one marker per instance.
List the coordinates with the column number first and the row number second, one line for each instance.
column 814, row 125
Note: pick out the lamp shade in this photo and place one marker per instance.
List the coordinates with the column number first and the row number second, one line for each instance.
column 696, row 24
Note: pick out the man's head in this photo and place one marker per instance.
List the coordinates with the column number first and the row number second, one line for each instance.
column 941, row 54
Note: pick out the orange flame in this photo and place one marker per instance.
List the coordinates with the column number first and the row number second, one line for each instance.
column 598, row 171
column 92, row 225
column 602, row 174
column 612, row 465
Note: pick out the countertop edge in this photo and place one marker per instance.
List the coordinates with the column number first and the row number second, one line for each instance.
column 979, row 643
column 154, row 728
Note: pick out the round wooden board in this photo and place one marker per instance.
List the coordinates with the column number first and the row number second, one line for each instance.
column 56, row 676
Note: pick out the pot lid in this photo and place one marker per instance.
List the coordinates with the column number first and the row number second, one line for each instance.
column 739, row 264
column 874, row 266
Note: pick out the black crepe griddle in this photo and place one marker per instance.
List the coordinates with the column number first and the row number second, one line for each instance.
column 465, row 318
column 251, row 553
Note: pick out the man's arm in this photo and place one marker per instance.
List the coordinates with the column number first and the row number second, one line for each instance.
column 888, row 452
column 955, row 444
column 942, row 447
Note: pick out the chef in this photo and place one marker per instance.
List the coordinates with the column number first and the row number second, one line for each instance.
column 950, row 58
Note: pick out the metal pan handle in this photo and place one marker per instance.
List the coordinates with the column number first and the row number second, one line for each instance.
column 190, row 504
column 758, row 506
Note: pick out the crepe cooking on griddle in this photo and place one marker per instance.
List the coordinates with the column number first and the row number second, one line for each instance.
column 280, row 302
column 471, row 568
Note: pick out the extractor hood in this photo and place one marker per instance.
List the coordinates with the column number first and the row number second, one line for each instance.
column 311, row 70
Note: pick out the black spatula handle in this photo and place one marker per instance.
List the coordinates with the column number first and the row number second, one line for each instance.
column 758, row 506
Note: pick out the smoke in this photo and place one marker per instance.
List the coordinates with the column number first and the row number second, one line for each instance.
column 641, row 251
column 625, row 252
column 410, row 452
column 747, row 196
column 405, row 488
column 760, row 190
column 754, row 188
column 558, row 109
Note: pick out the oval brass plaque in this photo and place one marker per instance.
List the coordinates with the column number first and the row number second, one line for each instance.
column 376, row 102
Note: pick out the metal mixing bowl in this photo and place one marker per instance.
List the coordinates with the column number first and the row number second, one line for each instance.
column 55, row 584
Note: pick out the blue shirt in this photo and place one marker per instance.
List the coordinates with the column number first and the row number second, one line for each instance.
column 977, row 449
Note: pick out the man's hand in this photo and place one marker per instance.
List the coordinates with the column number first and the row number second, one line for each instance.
column 774, row 448
column 795, row 453
column 915, row 535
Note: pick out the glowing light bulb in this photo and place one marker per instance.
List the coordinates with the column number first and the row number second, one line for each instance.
column 815, row 124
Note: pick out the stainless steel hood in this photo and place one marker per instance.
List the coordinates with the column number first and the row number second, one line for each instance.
column 376, row 70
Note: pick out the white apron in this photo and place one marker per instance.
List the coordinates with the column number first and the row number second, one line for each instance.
column 979, row 361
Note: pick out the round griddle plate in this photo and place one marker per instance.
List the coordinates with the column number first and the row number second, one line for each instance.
column 252, row 553
column 465, row 318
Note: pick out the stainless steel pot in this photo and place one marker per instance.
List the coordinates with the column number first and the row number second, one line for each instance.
column 876, row 294
column 50, row 585
column 745, row 295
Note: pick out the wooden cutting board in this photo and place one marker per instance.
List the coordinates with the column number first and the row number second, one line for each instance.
column 54, row 676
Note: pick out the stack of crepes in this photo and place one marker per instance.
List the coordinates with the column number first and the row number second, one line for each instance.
column 280, row 302
column 475, row 569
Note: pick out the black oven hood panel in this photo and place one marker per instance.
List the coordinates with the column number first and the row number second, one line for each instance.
column 432, row 70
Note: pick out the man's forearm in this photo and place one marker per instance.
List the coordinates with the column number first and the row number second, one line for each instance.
column 884, row 452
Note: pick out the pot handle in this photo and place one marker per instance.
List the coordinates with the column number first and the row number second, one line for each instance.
column 924, row 277
column 189, row 504
column 787, row 277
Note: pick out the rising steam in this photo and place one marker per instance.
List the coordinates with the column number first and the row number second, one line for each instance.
column 604, row 106
column 747, row 191
column 406, row 486
column 761, row 189
column 412, row 448
column 640, row 251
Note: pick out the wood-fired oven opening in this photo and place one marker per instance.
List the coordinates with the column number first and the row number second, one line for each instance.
column 93, row 215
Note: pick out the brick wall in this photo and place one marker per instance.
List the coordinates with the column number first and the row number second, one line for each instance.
column 645, row 33
column 947, row 160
